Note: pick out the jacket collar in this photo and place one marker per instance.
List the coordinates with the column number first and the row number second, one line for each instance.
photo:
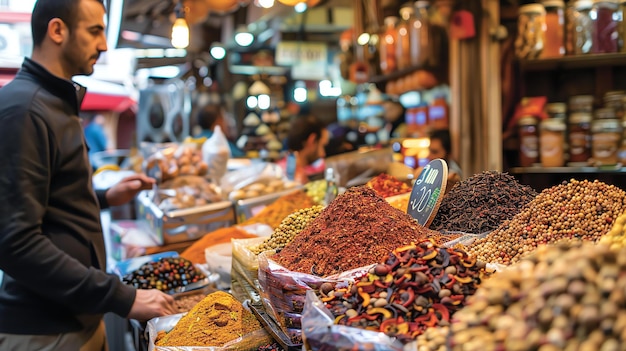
column 69, row 91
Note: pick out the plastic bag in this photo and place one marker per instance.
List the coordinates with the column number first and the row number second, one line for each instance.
column 261, row 172
column 249, row 342
column 216, row 152
column 320, row 333
column 219, row 259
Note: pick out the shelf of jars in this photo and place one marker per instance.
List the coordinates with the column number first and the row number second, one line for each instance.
column 574, row 62
column 567, row 170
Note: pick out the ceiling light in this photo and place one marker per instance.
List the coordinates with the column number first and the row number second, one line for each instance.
column 300, row 93
column 252, row 102
column 243, row 37
column 217, row 51
column 266, row 4
column 363, row 39
column 264, row 102
column 300, row 7
column 180, row 29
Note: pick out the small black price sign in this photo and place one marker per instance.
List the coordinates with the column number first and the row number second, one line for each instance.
column 428, row 192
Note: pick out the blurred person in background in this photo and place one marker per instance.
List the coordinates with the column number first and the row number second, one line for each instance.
column 306, row 142
column 394, row 115
column 55, row 288
column 95, row 137
column 441, row 147
column 210, row 116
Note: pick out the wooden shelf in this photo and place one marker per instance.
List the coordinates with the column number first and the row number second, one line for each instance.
column 402, row 73
column 566, row 170
column 574, row 62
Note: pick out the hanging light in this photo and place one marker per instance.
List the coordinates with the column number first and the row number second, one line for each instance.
column 243, row 37
column 300, row 92
column 300, row 7
column 217, row 51
column 266, row 4
column 180, row 29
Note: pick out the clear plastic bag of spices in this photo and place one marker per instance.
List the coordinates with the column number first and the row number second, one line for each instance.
column 606, row 20
column 554, row 45
column 581, row 27
column 531, row 31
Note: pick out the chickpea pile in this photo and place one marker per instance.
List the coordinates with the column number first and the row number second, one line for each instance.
column 433, row 339
column 291, row 226
column 316, row 190
column 576, row 210
column 616, row 237
column 569, row 296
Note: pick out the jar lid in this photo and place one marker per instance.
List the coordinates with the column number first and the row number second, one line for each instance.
column 406, row 11
column 553, row 3
column 581, row 99
column 528, row 121
column 605, row 113
column 553, row 124
column 532, row 8
column 391, row 20
column 606, row 125
column 422, row 4
column 556, row 107
column 580, row 117
column 583, row 4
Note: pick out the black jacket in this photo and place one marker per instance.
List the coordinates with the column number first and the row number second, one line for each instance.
column 51, row 244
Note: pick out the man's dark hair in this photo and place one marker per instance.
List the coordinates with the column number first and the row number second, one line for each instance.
column 208, row 116
column 46, row 10
column 300, row 129
column 443, row 135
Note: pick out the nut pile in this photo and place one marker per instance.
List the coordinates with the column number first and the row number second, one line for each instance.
column 177, row 161
column 582, row 210
column 481, row 203
column 616, row 237
column 569, row 296
column 419, row 286
column 165, row 274
column 433, row 339
column 316, row 190
column 288, row 229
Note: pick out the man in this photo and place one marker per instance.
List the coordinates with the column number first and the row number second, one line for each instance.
column 306, row 141
column 95, row 137
column 441, row 147
column 55, row 290
column 211, row 116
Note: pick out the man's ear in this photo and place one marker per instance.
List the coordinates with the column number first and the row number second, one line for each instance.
column 57, row 30
column 311, row 140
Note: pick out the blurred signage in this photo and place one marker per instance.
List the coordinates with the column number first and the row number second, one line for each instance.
column 290, row 53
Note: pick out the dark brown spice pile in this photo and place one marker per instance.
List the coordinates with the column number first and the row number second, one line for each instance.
column 359, row 228
column 482, row 203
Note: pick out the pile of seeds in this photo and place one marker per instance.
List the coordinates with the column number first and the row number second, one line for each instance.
column 481, row 203
column 569, row 296
column 357, row 229
column 288, row 229
column 417, row 287
column 582, row 210
column 616, row 237
column 433, row 339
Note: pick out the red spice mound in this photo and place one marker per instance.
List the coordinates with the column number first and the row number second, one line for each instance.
column 359, row 228
column 387, row 185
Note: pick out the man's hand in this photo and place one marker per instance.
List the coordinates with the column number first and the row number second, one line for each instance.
column 151, row 303
column 127, row 189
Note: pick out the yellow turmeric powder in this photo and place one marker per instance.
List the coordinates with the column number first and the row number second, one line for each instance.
column 273, row 214
column 214, row 321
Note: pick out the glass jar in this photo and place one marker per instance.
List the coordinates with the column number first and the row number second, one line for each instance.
column 528, row 141
column 605, row 17
column 582, row 27
column 606, row 136
column 556, row 110
column 405, row 33
column 621, row 153
column 552, row 142
column 554, row 45
column 579, row 137
column 531, row 31
column 615, row 100
column 581, row 103
column 421, row 42
column 388, row 59
column 604, row 113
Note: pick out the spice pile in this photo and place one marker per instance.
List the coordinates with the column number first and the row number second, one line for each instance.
column 481, row 203
column 196, row 252
column 214, row 321
column 418, row 286
column 357, row 229
column 387, row 185
column 568, row 296
column 575, row 210
column 166, row 274
column 288, row 229
column 285, row 205
column 616, row 237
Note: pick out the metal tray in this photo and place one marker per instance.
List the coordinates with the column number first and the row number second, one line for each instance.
column 247, row 208
column 186, row 224
column 274, row 329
